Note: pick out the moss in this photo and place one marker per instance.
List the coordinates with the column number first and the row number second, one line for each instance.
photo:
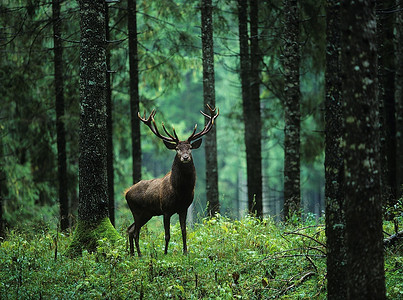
column 87, row 235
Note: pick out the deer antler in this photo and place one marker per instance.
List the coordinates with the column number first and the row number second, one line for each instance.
column 207, row 127
column 150, row 122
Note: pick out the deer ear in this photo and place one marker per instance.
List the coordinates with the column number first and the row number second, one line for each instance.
column 196, row 144
column 169, row 145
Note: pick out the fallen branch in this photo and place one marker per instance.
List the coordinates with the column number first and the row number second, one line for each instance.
column 312, row 263
column 390, row 241
column 310, row 226
column 317, row 249
column 306, row 236
column 300, row 281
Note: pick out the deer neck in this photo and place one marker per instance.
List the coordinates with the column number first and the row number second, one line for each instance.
column 183, row 175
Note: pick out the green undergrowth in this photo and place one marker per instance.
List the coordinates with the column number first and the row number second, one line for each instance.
column 87, row 236
column 227, row 259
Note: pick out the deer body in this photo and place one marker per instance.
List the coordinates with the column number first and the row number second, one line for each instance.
column 168, row 195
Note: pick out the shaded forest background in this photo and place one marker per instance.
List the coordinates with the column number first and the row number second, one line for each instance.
column 310, row 105
column 170, row 80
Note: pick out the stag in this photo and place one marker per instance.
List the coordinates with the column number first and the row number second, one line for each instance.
column 175, row 191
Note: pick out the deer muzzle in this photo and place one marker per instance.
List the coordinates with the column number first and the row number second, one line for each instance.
column 185, row 158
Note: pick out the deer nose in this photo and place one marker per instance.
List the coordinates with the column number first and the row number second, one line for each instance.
column 185, row 157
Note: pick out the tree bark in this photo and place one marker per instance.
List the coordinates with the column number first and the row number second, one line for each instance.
column 109, row 125
column 399, row 102
column 3, row 192
column 93, row 222
column 334, row 165
column 254, row 117
column 364, row 240
column 60, row 130
column 291, row 64
column 213, row 204
column 386, row 77
column 134, row 89
column 251, row 116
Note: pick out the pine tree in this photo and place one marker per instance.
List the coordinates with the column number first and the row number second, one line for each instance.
column 109, row 125
column 93, row 222
column 251, row 108
column 60, row 130
column 385, row 32
column 292, row 114
column 334, row 165
column 254, row 117
column 134, row 89
column 210, row 140
column 399, row 102
column 364, row 238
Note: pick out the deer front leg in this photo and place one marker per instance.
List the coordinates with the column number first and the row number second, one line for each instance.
column 182, row 221
column 167, row 223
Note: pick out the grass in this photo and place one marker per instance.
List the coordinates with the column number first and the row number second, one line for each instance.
column 247, row 259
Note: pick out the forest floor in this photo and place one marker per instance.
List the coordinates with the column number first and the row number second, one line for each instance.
column 228, row 259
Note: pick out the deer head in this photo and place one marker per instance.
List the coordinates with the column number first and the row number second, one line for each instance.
column 172, row 142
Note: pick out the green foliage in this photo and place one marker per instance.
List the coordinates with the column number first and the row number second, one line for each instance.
column 227, row 259
column 394, row 272
column 28, row 134
column 394, row 255
column 248, row 259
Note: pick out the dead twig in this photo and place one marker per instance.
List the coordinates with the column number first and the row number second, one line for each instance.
column 306, row 236
column 304, row 278
column 317, row 249
column 312, row 263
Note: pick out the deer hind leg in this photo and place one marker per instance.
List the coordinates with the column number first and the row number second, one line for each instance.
column 167, row 223
column 134, row 233
column 130, row 230
column 182, row 221
column 136, row 239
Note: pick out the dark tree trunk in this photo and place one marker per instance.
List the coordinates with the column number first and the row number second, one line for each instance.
column 334, row 165
column 2, row 229
column 213, row 205
column 399, row 102
column 3, row 188
column 291, row 62
column 93, row 222
column 134, row 89
column 93, row 198
column 365, row 261
column 244, row 66
column 387, row 100
column 109, row 125
column 251, row 119
column 61, row 133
